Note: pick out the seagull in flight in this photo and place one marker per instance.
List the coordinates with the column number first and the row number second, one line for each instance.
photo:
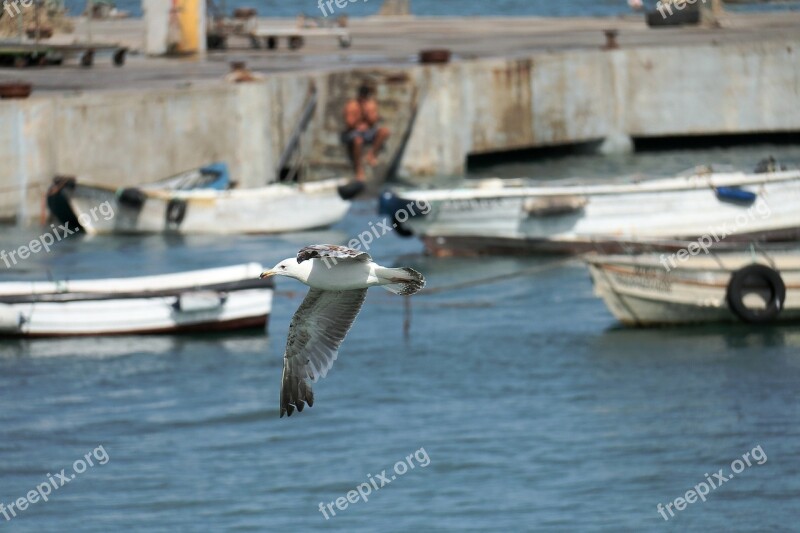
column 339, row 278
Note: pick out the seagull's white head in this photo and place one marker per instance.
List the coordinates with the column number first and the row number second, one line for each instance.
column 289, row 268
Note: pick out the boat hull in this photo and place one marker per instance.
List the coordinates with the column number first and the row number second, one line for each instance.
column 642, row 291
column 202, row 301
column 274, row 209
column 579, row 218
column 486, row 246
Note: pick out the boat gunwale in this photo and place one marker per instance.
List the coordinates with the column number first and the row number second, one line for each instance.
column 670, row 184
column 276, row 189
column 206, row 326
column 84, row 296
column 715, row 264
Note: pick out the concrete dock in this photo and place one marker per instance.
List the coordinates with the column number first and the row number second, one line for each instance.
column 392, row 42
column 513, row 83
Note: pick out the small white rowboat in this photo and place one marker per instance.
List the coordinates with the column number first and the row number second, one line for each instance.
column 753, row 287
column 276, row 208
column 204, row 300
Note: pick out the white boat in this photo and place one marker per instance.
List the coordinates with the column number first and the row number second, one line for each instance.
column 214, row 176
column 276, row 208
column 645, row 290
column 205, row 300
column 521, row 216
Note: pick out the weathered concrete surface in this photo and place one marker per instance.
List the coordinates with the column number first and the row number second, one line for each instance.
column 124, row 138
column 381, row 42
column 533, row 84
column 496, row 105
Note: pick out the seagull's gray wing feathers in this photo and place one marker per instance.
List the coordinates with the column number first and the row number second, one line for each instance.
column 317, row 330
column 333, row 252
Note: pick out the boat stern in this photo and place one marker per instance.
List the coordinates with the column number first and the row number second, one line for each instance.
column 59, row 196
column 402, row 211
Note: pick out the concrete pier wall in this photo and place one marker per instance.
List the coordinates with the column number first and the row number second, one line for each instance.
column 124, row 139
column 496, row 105
column 468, row 107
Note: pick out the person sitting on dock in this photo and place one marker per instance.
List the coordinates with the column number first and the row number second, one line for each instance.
column 361, row 118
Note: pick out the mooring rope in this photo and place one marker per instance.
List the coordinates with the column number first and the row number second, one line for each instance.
column 488, row 280
column 494, row 279
column 462, row 285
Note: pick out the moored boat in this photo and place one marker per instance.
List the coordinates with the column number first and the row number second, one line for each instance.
column 746, row 286
column 275, row 208
column 524, row 217
column 214, row 176
column 219, row 299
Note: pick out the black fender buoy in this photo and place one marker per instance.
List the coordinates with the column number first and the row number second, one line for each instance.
column 400, row 228
column 132, row 197
column 745, row 280
column 350, row 190
column 176, row 211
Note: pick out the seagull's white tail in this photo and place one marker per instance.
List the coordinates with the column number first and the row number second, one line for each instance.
column 402, row 281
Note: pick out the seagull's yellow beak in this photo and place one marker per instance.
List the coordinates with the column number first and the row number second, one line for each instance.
column 268, row 274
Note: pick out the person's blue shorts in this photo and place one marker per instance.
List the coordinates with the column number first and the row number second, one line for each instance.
column 368, row 136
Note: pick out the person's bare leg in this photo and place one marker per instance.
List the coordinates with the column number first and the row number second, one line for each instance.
column 380, row 139
column 357, row 152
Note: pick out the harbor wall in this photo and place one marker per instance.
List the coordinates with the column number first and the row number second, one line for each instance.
column 572, row 97
column 124, row 138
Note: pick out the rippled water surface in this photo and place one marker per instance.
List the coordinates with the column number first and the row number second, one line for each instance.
column 536, row 411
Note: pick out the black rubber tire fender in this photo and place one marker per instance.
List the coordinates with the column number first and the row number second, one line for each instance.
column 132, row 197
column 176, row 212
column 736, row 292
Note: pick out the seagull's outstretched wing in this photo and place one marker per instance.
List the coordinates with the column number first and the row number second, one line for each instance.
column 317, row 330
column 333, row 252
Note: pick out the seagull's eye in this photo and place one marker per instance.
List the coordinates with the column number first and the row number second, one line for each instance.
column 283, row 267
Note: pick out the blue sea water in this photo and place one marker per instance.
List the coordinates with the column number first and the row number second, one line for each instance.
column 535, row 410
column 452, row 8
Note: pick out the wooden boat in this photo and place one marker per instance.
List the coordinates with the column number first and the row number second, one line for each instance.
column 205, row 300
column 753, row 287
column 522, row 217
column 276, row 208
